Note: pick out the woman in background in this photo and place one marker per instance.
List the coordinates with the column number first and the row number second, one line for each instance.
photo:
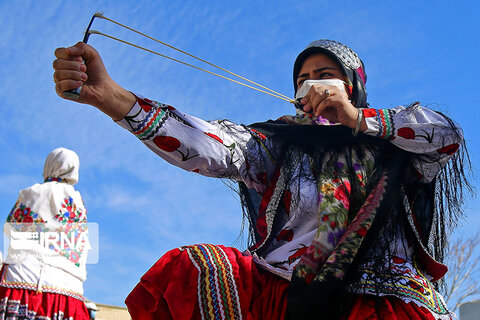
column 43, row 277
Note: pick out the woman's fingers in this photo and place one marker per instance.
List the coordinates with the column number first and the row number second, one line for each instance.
column 61, row 75
column 69, row 74
column 72, row 52
column 315, row 96
column 323, row 105
column 318, row 98
column 61, row 53
column 61, row 86
column 69, row 70
column 83, row 50
column 64, row 64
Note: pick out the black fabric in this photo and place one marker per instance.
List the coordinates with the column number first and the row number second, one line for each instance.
column 312, row 136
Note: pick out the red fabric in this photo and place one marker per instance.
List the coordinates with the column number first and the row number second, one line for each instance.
column 43, row 305
column 391, row 308
column 169, row 289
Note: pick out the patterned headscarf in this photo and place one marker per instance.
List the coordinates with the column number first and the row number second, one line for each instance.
column 62, row 165
column 351, row 65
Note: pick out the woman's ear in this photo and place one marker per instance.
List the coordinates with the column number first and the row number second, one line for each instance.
column 349, row 89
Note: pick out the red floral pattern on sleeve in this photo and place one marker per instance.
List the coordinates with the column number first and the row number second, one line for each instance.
column 144, row 105
column 449, row 150
column 214, row 137
column 406, row 133
column 166, row 143
column 171, row 144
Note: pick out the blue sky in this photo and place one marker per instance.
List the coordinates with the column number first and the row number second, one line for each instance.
column 144, row 207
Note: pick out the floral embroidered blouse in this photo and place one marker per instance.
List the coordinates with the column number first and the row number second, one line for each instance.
column 224, row 149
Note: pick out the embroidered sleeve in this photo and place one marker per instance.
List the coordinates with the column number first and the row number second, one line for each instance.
column 216, row 148
column 416, row 129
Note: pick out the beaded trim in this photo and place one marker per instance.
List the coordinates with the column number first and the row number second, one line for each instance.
column 151, row 124
column 344, row 53
column 386, row 123
column 406, row 281
column 34, row 287
column 217, row 291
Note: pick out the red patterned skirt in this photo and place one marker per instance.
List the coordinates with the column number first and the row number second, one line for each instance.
column 22, row 304
column 216, row 282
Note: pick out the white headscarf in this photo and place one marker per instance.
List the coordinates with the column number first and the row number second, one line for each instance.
column 62, row 164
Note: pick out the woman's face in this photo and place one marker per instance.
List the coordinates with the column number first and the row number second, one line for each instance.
column 319, row 66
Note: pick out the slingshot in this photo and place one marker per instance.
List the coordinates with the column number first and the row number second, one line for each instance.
column 74, row 93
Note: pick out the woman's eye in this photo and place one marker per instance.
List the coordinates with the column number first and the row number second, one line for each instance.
column 299, row 83
column 326, row 75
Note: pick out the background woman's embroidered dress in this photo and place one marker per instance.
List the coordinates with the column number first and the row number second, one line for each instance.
column 304, row 214
column 37, row 282
column 22, row 304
